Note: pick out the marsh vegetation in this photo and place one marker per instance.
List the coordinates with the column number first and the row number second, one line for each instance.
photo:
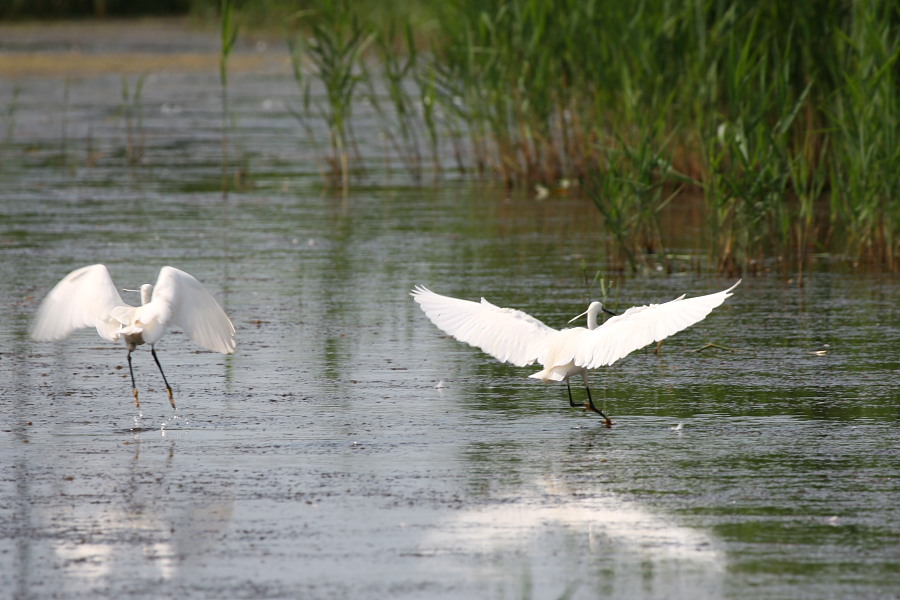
column 778, row 120
column 781, row 118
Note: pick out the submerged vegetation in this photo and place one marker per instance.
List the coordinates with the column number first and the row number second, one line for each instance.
column 782, row 118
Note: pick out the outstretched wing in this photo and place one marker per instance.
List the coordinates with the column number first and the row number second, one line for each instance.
column 642, row 325
column 84, row 298
column 181, row 300
column 507, row 334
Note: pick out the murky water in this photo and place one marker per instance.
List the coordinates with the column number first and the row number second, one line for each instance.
column 325, row 459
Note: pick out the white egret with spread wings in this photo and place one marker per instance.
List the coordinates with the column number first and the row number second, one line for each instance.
column 513, row 336
column 87, row 297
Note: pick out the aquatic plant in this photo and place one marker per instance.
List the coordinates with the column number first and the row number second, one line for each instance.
column 773, row 112
column 865, row 111
column 10, row 117
column 228, row 32
column 782, row 117
column 334, row 49
column 133, row 114
column 400, row 122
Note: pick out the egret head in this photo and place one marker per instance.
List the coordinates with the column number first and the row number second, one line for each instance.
column 146, row 292
column 592, row 310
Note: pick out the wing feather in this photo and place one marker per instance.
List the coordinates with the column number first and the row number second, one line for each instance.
column 642, row 325
column 85, row 297
column 507, row 334
column 181, row 300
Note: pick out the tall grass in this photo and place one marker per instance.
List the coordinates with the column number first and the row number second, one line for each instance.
column 783, row 116
column 133, row 114
column 865, row 110
column 10, row 117
column 228, row 32
column 396, row 70
column 332, row 48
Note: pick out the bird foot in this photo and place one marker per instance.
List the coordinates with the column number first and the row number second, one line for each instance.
column 137, row 403
column 590, row 406
column 171, row 398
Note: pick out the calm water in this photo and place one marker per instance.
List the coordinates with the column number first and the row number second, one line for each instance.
column 325, row 458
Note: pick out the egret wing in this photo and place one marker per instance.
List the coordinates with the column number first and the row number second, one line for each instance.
column 85, row 297
column 184, row 302
column 507, row 334
column 642, row 325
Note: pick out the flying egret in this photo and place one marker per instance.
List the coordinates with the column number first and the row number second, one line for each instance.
column 87, row 297
column 510, row 335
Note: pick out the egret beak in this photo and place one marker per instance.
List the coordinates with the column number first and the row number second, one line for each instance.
column 603, row 308
column 579, row 316
column 127, row 290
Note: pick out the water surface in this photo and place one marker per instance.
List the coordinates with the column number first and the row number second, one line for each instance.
column 348, row 448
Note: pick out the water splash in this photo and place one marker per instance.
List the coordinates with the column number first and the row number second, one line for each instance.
column 137, row 421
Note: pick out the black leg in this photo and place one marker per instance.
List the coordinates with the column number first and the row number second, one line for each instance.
column 590, row 404
column 134, row 391
column 569, row 388
column 168, row 389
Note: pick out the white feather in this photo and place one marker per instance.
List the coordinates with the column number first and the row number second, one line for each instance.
column 642, row 325
column 87, row 297
column 513, row 336
column 507, row 334
column 183, row 302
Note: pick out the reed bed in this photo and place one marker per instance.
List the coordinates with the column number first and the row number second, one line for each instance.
column 228, row 33
column 784, row 117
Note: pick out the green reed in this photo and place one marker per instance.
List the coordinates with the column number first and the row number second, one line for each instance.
column 775, row 112
column 333, row 47
column 747, row 143
column 782, row 116
column 10, row 117
column 865, row 111
column 133, row 114
column 228, row 32
column 401, row 122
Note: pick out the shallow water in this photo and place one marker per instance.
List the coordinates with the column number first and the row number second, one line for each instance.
column 348, row 448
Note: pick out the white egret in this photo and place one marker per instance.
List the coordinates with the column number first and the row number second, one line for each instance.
column 87, row 297
column 510, row 335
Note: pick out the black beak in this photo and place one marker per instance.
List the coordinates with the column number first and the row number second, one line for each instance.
column 609, row 312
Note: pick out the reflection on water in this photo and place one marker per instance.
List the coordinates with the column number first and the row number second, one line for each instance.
column 548, row 540
column 137, row 519
column 325, row 459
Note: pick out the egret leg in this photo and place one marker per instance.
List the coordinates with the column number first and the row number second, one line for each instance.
column 569, row 388
column 134, row 391
column 168, row 389
column 590, row 402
